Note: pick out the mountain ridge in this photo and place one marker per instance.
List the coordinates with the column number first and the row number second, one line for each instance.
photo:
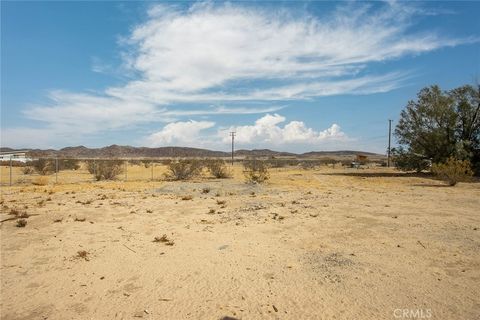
column 118, row 151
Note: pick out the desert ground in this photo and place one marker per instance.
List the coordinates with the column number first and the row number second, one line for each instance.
column 310, row 244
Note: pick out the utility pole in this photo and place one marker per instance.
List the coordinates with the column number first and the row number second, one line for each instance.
column 389, row 141
column 56, row 170
column 232, row 134
column 10, row 170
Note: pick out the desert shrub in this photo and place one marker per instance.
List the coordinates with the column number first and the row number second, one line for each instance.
column 453, row 171
column 183, row 169
column 409, row 161
column 105, row 169
column 146, row 163
column 307, row 164
column 255, row 171
column 21, row 223
column 276, row 163
column 217, row 168
column 15, row 163
column 68, row 164
column 27, row 170
column 90, row 166
column 43, row 166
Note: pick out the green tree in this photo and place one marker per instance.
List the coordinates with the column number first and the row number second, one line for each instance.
column 438, row 125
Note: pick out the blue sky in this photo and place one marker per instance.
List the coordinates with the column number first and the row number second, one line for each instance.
column 293, row 76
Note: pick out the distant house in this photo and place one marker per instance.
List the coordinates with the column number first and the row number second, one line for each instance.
column 360, row 159
column 20, row 156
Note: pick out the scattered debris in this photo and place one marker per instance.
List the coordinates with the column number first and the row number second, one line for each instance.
column 129, row 248
column 421, row 244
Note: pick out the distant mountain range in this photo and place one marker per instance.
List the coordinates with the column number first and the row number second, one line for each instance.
column 116, row 151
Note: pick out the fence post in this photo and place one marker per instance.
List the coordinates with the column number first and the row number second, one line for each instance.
column 10, row 170
column 151, row 165
column 126, row 169
column 56, row 170
column 94, row 170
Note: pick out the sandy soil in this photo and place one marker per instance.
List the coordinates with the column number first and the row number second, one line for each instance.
column 323, row 244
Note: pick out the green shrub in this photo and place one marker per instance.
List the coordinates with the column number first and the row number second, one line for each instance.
column 105, row 169
column 68, row 164
column 217, row 168
column 43, row 166
column 183, row 169
column 28, row 170
column 409, row 161
column 255, row 171
column 453, row 171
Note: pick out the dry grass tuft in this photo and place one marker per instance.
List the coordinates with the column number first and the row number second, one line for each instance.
column 14, row 211
column 18, row 213
column 21, row 223
column 82, row 254
column 164, row 239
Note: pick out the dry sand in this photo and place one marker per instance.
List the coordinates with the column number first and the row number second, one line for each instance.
column 320, row 244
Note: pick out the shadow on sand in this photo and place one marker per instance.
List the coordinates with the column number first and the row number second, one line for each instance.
column 380, row 174
column 424, row 175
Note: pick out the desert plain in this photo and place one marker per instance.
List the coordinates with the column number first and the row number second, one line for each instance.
column 329, row 243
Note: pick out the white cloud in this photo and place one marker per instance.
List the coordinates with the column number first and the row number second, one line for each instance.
column 179, row 134
column 195, row 54
column 226, row 54
column 268, row 131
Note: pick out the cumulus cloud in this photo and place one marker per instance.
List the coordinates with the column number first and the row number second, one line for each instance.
column 268, row 130
column 179, row 133
column 187, row 59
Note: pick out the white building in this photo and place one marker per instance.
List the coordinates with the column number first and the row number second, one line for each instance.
column 20, row 155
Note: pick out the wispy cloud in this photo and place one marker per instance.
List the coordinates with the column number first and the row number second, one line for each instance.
column 230, row 54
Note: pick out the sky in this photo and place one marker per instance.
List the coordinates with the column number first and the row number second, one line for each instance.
column 289, row 76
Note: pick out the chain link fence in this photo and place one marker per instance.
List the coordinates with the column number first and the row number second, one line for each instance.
column 44, row 171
